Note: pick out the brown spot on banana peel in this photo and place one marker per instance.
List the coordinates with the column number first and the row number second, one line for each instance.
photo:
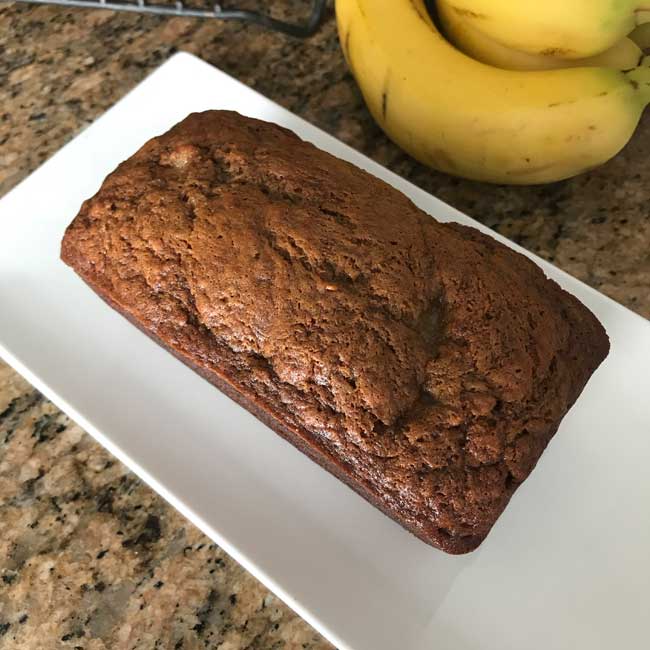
column 632, row 82
column 556, row 104
column 558, row 52
column 468, row 13
column 384, row 97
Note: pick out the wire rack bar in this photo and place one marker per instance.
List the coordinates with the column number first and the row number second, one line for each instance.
column 300, row 30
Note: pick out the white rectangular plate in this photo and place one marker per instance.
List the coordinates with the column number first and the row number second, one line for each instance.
column 566, row 567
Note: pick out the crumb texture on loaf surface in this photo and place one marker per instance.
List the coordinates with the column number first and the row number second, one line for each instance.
column 426, row 364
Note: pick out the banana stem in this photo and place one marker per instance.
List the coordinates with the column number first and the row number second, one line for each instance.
column 640, row 79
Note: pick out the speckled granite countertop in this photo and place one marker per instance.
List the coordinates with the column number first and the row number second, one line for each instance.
column 90, row 557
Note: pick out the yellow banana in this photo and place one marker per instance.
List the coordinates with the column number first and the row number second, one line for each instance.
column 569, row 29
column 469, row 119
column 464, row 34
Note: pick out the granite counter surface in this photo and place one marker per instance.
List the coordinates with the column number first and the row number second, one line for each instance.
column 90, row 558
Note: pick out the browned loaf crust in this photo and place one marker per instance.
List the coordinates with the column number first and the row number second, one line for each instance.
column 424, row 364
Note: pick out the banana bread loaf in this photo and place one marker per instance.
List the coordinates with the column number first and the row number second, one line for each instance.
column 424, row 364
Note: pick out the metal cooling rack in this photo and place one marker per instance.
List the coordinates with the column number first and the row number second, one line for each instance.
column 179, row 8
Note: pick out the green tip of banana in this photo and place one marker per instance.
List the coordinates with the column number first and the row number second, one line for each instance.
column 480, row 121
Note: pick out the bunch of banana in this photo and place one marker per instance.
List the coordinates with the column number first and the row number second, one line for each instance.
column 570, row 29
column 464, row 32
column 453, row 112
